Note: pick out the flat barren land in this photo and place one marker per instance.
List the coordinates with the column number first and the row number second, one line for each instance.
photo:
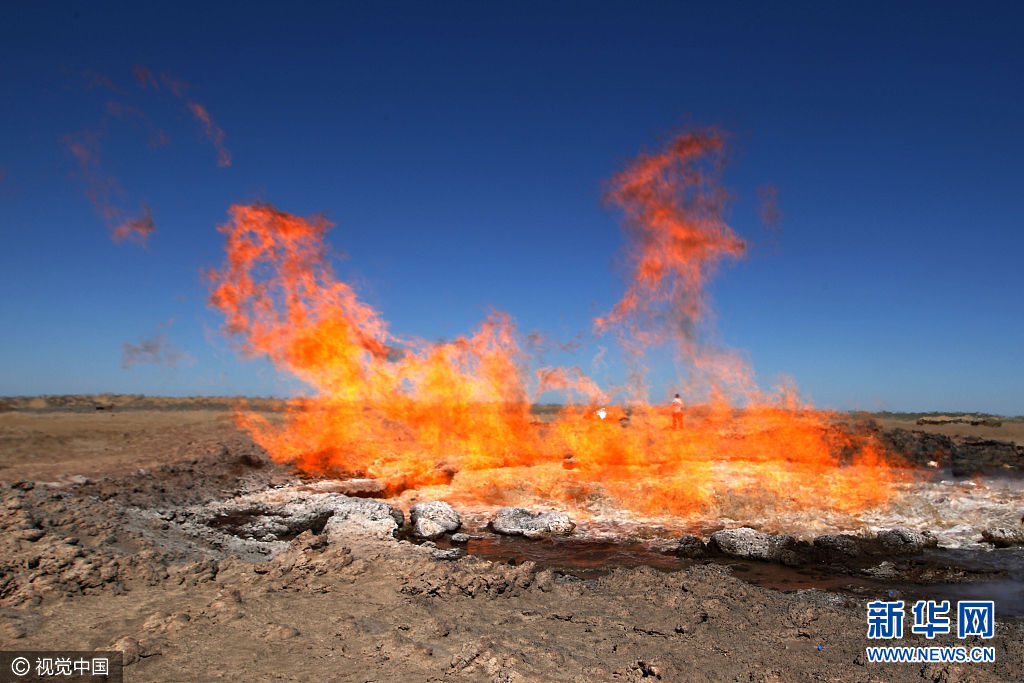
column 158, row 528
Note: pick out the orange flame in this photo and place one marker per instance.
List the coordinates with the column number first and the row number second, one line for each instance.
column 101, row 190
column 179, row 88
column 458, row 414
column 673, row 206
column 144, row 77
column 214, row 133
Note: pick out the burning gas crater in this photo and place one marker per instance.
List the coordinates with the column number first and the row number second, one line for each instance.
column 453, row 420
column 924, row 543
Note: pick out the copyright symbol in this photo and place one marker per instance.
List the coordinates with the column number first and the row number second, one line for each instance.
column 20, row 666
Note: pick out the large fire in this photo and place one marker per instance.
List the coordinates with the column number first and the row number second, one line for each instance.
column 458, row 414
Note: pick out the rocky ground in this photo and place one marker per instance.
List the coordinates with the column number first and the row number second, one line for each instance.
column 167, row 534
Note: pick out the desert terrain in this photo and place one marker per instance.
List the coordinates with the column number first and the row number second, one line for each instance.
column 157, row 527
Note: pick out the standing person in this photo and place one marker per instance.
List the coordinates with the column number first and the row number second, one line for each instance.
column 677, row 412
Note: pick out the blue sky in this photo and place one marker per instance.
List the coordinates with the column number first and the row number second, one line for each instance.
column 461, row 149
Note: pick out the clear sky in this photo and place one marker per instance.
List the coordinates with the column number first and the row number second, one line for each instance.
column 461, row 149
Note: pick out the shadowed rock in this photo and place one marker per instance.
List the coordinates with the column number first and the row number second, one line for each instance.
column 749, row 544
column 965, row 457
column 978, row 455
column 883, row 570
column 522, row 522
column 1003, row 537
column 692, row 547
column 433, row 519
column 906, row 540
column 919, row 447
column 838, row 546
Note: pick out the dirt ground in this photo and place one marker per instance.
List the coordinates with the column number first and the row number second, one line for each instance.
column 99, row 550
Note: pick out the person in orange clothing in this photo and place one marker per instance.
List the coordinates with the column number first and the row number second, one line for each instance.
column 677, row 412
